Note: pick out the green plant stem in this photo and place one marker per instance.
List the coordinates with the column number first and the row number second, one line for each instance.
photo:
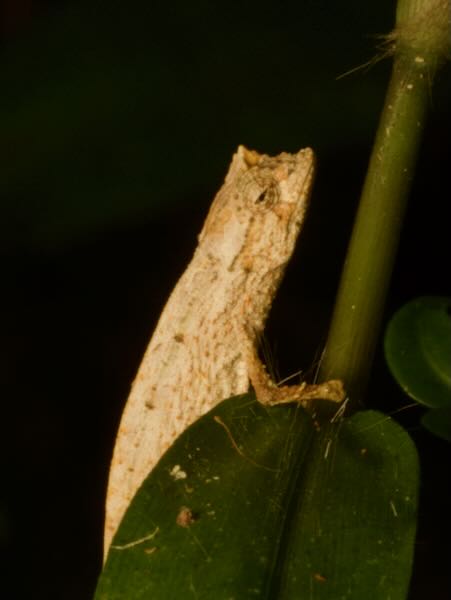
column 418, row 44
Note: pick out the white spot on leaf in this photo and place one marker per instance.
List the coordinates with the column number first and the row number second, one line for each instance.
column 176, row 473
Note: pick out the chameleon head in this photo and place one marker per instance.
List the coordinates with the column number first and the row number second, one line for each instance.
column 256, row 217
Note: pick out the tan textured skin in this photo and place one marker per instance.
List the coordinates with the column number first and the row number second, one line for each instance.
column 203, row 349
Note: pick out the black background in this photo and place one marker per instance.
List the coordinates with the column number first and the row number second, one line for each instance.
column 118, row 120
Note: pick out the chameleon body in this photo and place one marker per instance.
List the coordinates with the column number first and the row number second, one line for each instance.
column 203, row 349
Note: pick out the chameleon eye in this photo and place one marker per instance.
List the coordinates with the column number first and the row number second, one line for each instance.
column 267, row 195
column 261, row 197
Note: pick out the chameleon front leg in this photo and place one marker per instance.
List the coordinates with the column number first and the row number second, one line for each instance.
column 270, row 394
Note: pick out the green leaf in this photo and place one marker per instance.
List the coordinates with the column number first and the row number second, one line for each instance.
column 418, row 350
column 418, row 353
column 438, row 422
column 354, row 518
column 252, row 502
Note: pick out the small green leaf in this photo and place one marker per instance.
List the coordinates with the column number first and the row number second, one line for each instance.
column 262, row 503
column 418, row 350
column 438, row 422
column 418, row 353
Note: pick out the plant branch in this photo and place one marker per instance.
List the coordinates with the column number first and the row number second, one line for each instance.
column 419, row 44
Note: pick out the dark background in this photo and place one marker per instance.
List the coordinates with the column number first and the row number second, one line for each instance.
column 117, row 123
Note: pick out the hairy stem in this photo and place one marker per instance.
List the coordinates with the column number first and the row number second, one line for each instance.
column 419, row 43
